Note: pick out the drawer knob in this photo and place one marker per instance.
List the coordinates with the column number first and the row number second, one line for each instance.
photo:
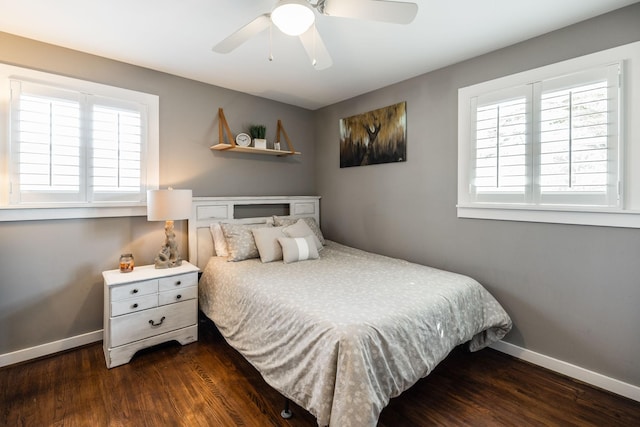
column 179, row 282
column 135, row 291
column 135, row 305
column 178, row 296
column 152, row 323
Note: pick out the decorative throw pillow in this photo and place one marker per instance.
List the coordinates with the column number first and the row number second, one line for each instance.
column 240, row 242
column 296, row 249
column 311, row 222
column 301, row 229
column 266, row 239
column 219, row 242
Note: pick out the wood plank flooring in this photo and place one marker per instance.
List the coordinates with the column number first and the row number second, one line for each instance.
column 208, row 384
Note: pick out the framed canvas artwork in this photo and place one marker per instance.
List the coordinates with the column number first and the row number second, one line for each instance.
column 378, row 136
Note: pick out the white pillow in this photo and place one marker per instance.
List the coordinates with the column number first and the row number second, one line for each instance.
column 296, row 249
column 267, row 242
column 219, row 242
column 301, row 229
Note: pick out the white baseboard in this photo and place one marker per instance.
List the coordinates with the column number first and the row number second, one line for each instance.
column 49, row 348
column 573, row 371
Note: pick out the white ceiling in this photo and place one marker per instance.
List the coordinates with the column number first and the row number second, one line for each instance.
column 176, row 36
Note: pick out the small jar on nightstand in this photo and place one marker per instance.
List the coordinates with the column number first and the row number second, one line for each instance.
column 126, row 263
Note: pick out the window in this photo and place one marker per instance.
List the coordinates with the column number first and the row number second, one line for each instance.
column 547, row 144
column 75, row 144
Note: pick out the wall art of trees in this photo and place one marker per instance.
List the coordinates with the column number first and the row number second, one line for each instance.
column 378, row 136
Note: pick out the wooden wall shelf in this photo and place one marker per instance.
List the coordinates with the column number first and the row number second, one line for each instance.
column 252, row 150
column 223, row 128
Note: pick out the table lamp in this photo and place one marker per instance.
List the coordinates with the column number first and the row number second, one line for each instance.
column 168, row 205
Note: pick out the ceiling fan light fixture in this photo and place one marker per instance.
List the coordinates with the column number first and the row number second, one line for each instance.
column 293, row 17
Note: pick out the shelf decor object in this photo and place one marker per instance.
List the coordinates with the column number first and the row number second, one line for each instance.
column 168, row 205
column 243, row 140
column 224, row 129
column 258, row 133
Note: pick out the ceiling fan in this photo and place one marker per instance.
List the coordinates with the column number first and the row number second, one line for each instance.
column 297, row 18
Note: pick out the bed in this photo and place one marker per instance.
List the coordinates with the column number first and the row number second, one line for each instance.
column 345, row 332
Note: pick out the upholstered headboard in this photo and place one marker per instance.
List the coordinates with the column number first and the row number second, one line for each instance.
column 205, row 210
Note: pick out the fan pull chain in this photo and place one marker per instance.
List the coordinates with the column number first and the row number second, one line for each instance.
column 271, row 42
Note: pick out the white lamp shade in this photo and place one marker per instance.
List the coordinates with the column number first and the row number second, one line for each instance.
column 165, row 205
column 293, row 17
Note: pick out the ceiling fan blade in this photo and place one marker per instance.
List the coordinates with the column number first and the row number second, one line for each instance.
column 316, row 50
column 373, row 10
column 254, row 27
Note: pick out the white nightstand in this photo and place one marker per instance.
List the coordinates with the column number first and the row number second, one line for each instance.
column 148, row 306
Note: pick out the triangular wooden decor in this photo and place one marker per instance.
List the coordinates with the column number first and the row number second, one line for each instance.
column 286, row 137
column 222, row 122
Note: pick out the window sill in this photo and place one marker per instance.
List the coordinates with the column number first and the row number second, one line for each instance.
column 552, row 214
column 51, row 212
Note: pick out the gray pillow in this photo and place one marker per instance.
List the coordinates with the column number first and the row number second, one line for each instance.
column 311, row 222
column 301, row 229
column 240, row 242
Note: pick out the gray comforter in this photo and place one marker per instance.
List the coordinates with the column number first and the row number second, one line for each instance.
column 342, row 335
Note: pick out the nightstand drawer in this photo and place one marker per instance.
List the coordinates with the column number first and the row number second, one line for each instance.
column 132, row 305
column 179, row 281
column 134, row 289
column 155, row 321
column 177, row 295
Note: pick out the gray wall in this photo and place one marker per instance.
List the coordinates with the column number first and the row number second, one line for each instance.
column 50, row 271
column 572, row 291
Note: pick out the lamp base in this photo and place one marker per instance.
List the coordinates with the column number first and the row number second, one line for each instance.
column 169, row 256
column 163, row 264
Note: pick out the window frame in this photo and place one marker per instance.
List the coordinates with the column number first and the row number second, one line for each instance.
column 627, row 213
column 66, row 210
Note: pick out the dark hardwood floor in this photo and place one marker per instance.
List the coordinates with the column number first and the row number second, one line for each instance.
column 208, row 384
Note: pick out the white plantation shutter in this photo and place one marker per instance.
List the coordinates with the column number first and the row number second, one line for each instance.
column 501, row 143
column 579, row 138
column 46, row 140
column 553, row 142
column 74, row 147
column 116, row 154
